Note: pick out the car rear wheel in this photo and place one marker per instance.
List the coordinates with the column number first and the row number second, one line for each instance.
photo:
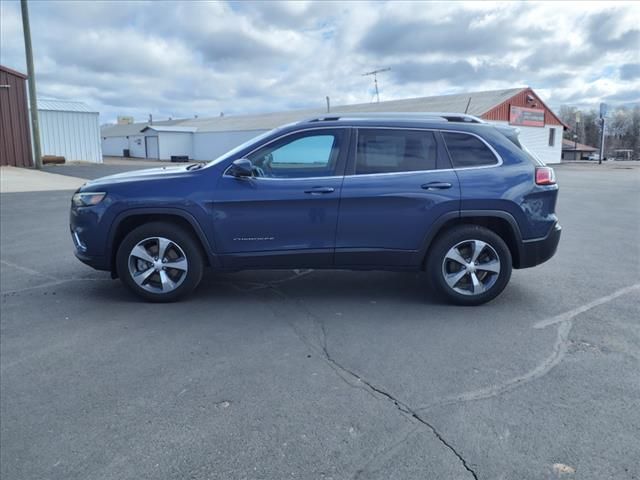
column 469, row 265
column 160, row 262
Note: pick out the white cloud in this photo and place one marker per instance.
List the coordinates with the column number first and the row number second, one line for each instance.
column 187, row 58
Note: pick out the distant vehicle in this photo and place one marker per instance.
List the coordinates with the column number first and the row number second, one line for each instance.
column 445, row 193
column 593, row 156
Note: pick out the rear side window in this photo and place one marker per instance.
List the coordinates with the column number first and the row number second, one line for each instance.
column 391, row 151
column 468, row 151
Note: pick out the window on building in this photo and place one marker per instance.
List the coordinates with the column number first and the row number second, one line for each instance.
column 552, row 137
column 468, row 151
column 392, row 151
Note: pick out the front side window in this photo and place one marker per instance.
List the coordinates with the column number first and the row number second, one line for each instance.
column 310, row 154
column 392, row 151
column 468, row 151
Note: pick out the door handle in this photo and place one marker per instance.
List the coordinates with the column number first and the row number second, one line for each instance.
column 319, row 190
column 436, row 185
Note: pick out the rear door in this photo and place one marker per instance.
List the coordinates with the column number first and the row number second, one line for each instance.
column 398, row 182
column 286, row 214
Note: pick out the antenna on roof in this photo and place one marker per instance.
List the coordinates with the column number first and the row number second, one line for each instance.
column 375, row 79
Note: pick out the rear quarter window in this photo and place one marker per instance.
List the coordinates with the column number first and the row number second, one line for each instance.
column 468, row 151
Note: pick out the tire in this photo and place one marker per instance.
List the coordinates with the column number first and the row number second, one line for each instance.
column 158, row 278
column 454, row 279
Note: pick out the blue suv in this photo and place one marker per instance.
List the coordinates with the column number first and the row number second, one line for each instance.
column 445, row 193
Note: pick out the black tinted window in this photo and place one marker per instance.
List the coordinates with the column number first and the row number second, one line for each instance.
column 468, row 151
column 388, row 151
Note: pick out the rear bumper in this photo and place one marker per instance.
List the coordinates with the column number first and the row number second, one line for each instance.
column 535, row 252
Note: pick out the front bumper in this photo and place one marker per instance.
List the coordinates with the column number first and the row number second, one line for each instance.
column 99, row 263
column 537, row 251
column 87, row 238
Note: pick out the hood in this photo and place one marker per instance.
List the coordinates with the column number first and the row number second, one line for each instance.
column 139, row 175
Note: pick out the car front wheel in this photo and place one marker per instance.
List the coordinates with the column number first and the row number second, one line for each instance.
column 469, row 265
column 160, row 262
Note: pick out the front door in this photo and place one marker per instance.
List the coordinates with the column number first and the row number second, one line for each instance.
column 399, row 183
column 286, row 214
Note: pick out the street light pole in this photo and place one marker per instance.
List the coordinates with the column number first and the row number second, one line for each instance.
column 33, row 102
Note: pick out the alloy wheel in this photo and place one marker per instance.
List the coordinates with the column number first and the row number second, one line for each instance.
column 158, row 265
column 471, row 267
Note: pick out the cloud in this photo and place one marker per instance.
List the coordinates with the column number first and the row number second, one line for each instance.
column 630, row 71
column 185, row 58
column 607, row 31
column 462, row 32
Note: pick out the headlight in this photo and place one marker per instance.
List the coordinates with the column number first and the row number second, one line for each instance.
column 87, row 199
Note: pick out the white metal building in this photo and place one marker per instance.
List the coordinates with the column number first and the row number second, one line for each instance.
column 129, row 140
column 164, row 141
column 207, row 138
column 69, row 129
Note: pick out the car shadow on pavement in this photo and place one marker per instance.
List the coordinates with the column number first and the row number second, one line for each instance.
column 303, row 285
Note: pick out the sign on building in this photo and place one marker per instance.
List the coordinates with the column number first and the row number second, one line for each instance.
column 527, row 117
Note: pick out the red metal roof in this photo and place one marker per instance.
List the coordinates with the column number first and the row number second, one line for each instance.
column 11, row 71
column 524, row 98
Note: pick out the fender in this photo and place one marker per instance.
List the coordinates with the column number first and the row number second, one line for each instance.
column 213, row 260
column 447, row 217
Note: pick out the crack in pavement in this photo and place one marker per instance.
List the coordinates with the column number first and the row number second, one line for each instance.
column 407, row 410
column 403, row 407
column 558, row 352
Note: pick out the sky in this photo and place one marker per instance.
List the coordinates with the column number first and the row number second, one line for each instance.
column 181, row 59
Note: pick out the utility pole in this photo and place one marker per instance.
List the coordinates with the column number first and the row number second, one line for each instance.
column 33, row 101
column 375, row 79
column 602, row 123
column 603, row 114
column 575, row 137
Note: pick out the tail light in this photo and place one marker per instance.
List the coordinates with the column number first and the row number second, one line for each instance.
column 545, row 176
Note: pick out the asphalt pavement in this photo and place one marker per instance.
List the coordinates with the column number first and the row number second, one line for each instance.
column 325, row 374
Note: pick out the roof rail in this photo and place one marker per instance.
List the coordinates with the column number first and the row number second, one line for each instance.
column 432, row 116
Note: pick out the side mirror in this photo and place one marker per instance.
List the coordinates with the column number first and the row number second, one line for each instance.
column 241, row 168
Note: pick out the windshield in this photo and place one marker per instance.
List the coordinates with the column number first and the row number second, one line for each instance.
column 242, row 146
